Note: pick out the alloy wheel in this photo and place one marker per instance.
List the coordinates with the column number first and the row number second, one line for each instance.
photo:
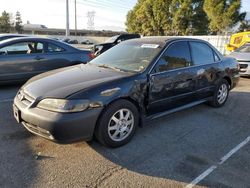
column 121, row 124
column 222, row 93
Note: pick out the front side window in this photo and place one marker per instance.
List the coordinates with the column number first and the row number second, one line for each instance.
column 176, row 56
column 201, row 53
column 22, row 48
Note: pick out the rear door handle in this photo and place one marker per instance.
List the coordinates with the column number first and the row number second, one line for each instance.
column 39, row 58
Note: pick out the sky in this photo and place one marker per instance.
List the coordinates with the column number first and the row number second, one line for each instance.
column 109, row 14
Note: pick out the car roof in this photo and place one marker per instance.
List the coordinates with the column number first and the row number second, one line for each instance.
column 11, row 34
column 42, row 39
column 161, row 40
column 31, row 38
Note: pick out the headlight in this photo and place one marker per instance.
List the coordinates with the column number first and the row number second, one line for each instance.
column 62, row 105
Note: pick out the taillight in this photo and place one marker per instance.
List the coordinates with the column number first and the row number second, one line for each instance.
column 91, row 55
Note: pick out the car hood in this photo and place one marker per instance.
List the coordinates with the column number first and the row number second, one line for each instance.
column 63, row 82
column 240, row 56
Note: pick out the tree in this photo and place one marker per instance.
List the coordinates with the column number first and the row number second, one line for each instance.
column 5, row 25
column 222, row 14
column 244, row 26
column 167, row 17
column 182, row 16
column 199, row 19
column 18, row 22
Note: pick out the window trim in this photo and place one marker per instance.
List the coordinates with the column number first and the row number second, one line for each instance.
column 151, row 73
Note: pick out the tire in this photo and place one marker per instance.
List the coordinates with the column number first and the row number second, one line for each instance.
column 220, row 94
column 117, row 124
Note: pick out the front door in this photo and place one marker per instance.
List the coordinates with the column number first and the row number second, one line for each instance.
column 18, row 61
column 173, row 80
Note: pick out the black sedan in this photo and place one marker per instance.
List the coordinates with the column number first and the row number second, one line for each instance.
column 24, row 57
column 135, row 81
column 111, row 42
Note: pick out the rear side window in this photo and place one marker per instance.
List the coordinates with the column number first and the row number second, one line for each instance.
column 176, row 56
column 54, row 48
column 201, row 53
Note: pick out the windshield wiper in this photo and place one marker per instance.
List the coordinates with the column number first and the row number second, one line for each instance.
column 109, row 67
column 104, row 66
column 115, row 68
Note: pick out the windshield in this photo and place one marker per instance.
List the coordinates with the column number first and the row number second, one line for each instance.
column 245, row 48
column 129, row 57
column 112, row 39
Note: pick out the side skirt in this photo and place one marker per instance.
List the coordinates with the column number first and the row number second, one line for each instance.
column 158, row 115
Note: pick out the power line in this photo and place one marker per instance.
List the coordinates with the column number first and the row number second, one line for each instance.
column 110, row 3
column 103, row 5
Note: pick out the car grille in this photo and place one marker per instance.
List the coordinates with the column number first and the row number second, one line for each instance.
column 243, row 66
column 25, row 98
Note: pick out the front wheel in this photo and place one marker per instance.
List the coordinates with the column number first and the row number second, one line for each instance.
column 117, row 124
column 220, row 94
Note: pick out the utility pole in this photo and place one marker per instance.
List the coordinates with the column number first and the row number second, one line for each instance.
column 67, row 18
column 75, row 20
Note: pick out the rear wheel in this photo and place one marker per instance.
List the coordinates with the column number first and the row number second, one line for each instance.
column 117, row 124
column 220, row 94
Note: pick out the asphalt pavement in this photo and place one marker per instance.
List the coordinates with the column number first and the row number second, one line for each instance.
column 201, row 147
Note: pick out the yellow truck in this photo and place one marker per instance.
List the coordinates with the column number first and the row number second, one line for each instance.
column 237, row 40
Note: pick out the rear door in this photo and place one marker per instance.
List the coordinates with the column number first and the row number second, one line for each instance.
column 172, row 81
column 208, row 67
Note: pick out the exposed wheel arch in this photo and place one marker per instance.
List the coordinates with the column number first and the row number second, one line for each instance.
column 228, row 79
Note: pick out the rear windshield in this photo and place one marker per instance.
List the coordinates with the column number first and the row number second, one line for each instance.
column 245, row 48
column 130, row 57
column 112, row 39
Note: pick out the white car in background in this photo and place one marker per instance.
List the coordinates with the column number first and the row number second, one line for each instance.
column 242, row 55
